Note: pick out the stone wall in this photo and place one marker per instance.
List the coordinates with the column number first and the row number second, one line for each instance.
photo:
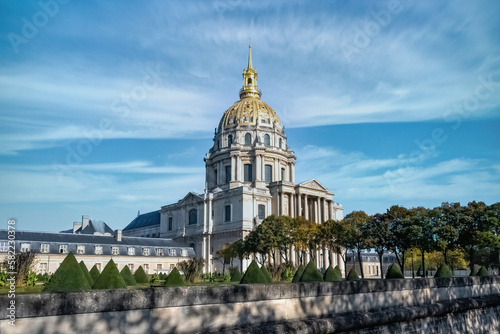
column 233, row 307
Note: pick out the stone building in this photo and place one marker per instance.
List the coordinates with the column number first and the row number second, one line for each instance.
column 250, row 174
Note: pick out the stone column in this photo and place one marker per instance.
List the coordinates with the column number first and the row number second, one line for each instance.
column 299, row 205
column 292, row 172
column 316, row 210
column 239, row 168
column 258, row 168
column 233, row 168
column 306, row 207
column 330, row 210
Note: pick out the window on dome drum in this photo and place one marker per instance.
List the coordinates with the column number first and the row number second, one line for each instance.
column 159, row 252
column 248, row 139
column 145, row 251
column 115, row 250
column 215, row 177
column 131, row 251
column 193, row 217
column 227, row 216
column 172, row 252
column 248, row 173
column 25, row 247
column 170, row 223
column 267, row 141
column 268, row 173
column 282, row 174
column 218, row 144
column 280, row 142
column 228, row 174
column 262, row 211
column 63, row 249
column 229, row 140
column 80, row 249
column 44, row 248
column 98, row 250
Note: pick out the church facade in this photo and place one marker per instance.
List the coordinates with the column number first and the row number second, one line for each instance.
column 250, row 174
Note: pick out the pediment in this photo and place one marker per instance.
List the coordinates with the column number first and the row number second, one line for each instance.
column 191, row 198
column 313, row 184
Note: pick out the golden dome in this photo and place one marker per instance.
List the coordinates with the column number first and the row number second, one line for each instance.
column 250, row 109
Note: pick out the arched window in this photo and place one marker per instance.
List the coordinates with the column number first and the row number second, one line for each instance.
column 249, row 81
column 248, row 139
column 280, row 142
column 262, row 211
column 193, row 217
column 229, row 140
column 268, row 173
column 267, row 141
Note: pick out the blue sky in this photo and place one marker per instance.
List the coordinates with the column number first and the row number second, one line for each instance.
column 108, row 108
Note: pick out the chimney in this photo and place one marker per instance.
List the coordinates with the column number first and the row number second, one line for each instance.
column 118, row 235
column 76, row 226
column 85, row 221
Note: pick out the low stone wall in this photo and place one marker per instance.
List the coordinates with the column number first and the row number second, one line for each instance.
column 217, row 308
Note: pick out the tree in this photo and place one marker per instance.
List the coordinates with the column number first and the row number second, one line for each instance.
column 422, row 232
column 399, row 241
column 355, row 239
column 377, row 234
column 191, row 268
column 21, row 263
column 446, row 221
column 337, row 239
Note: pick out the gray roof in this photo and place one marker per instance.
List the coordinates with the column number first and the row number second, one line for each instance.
column 144, row 220
column 93, row 226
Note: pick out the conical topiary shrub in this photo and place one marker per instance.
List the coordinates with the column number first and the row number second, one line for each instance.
column 253, row 275
column 174, row 278
column 236, row 275
column 311, row 274
column 110, row 278
column 394, row 272
column 68, row 277
column 94, row 273
column 298, row 273
column 473, row 272
column 127, row 276
column 86, row 273
column 332, row 274
column 482, row 272
column 353, row 275
column 443, row 272
column 266, row 273
column 140, row 276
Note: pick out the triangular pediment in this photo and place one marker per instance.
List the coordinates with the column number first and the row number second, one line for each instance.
column 191, row 198
column 313, row 184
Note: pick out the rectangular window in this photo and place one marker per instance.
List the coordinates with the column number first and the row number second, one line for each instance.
column 262, row 211
column 227, row 216
column 146, row 268
column 228, row 174
column 172, row 252
column 248, row 173
column 172, row 266
column 131, row 251
column 4, row 246
column 115, row 250
column 145, row 251
column 43, row 268
column 63, row 249
column 44, row 248
column 216, row 179
column 159, row 252
column 170, row 223
column 98, row 250
column 131, row 267
column 80, row 249
column 282, row 174
column 269, row 173
column 158, row 266
column 25, row 247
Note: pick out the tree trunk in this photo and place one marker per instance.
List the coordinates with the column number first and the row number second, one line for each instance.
column 360, row 260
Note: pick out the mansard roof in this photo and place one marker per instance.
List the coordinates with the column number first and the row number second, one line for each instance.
column 144, row 220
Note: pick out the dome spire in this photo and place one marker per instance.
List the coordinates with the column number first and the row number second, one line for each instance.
column 250, row 79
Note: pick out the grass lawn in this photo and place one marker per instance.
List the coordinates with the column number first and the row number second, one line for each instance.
column 22, row 289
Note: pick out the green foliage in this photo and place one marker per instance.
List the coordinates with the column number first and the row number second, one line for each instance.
column 482, row 272
column 30, row 279
column 192, row 269
column 236, row 275
column 266, row 273
column 69, row 277
column 174, row 278
column 298, row 274
column 227, row 278
column 94, row 273
column 127, row 276
column 473, row 272
column 394, row 272
column 140, row 276
column 154, row 278
column 443, row 272
column 86, row 273
column 162, row 276
column 287, row 274
column 332, row 275
column 110, row 278
column 353, row 275
column 253, row 275
column 3, row 278
column 311, row 273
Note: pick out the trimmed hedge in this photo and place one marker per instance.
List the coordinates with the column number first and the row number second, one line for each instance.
column 393, row 272
column 140, row 276
column 443, row 272
column 482, row 272
column 266, row 273
column 253, row 275
column 127, row 276
column 332, row 274
column 86, row 273
column 311, row 274
column 94, row 273
column 473, row 272
column 110, row 278
column 174, row 278
column 68, row 277
column 298, row 273
column 236, row 275
column 353, row 275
